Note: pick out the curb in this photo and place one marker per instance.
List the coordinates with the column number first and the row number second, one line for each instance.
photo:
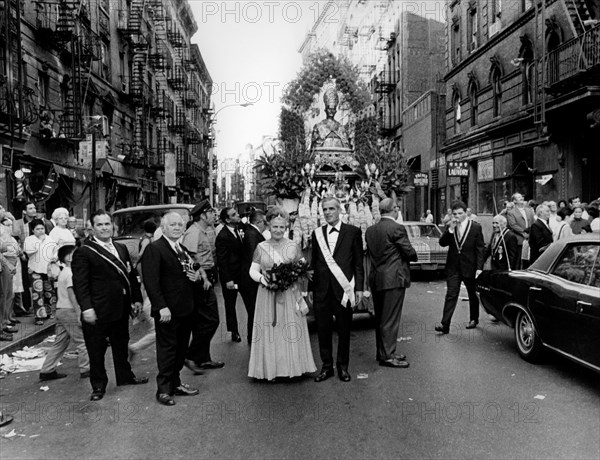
column 29, row 340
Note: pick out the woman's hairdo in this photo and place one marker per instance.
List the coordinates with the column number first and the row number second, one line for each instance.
column 277, row 212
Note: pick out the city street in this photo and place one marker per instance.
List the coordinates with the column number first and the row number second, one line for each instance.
column 465, row 395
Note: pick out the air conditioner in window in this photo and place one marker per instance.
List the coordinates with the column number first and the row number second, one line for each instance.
column 495, row 27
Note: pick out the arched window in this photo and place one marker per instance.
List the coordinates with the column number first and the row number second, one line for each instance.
column 456, row 109
column 473, row 88
column 496, row 83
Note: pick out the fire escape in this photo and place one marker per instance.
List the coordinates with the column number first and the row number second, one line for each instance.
column 17, row 109
column 65, row 25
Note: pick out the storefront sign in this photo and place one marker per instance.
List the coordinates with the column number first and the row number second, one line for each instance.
column 485, row 170
column 421, row 179
column 458, row 169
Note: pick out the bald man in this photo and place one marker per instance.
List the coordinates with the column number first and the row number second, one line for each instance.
column 503, row 247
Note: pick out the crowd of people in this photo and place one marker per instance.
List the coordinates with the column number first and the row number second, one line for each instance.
column 91, row 285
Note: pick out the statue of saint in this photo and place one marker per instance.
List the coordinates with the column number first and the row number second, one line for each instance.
column 328, row 132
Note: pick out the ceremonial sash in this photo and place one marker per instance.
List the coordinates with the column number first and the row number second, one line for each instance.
column 347, row 286
column 119, row 269
column 460, row 242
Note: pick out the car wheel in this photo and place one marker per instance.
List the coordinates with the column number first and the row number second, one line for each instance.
column 528, row 341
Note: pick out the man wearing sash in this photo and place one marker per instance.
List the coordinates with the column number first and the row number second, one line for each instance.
column 106, row 286
column 503, row 247
column 464, row 263
column 337, row 261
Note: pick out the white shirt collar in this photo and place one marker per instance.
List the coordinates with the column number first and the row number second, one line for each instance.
column 336, row 226
column 388, row 217
column 174, row 244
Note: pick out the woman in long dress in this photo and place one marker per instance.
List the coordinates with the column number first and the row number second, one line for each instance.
column 281, row 344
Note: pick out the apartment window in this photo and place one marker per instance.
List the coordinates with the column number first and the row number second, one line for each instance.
column 526, row 5
column 456, row 111
column 496, row 82
column 472, row 27
column 496, row 10
column 455, row 40
column 474, row 103
column 105, row 60
column 43, row 84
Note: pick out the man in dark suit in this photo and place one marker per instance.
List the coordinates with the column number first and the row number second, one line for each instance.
column 248, row 287
column 106, row 284
column 390, row 252
column 503, row 247
column 337, row 261
column 519, row 219
column 464, row 262
column 540, row 236
column 199, row 240
column 170, row 282
column 230, row 260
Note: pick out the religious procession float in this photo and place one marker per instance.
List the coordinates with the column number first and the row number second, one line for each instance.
column 348, row 161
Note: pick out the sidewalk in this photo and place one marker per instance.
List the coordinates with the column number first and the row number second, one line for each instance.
column 29, row 334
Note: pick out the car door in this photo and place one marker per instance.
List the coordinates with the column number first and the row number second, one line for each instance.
column 553, row 301
column 588, row 310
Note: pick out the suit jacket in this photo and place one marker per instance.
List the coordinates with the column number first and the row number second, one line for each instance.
column 470, row 258
column 230, row 256
column 348, row 254
column 391, row 252
column 539, row 237
column 517, row 224
column 104, row 282
column 503, row 251
column 251, row 239
column 165, row 282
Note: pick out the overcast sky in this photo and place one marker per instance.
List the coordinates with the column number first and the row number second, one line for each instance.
column 251, row 51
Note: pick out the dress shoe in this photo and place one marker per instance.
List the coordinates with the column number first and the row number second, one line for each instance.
column 472, row 324
column 165, row 399
column 186, row 390
column 344, row 375
column 324, row 375
column 84, row 375
column 6, row 337
column 51, row 376
column 443, row 329
column 97, row 396
column 397, row 363
column 10, row 329
column 191, row 365
column 134, row 381
column 235, row 337
column 211, row 365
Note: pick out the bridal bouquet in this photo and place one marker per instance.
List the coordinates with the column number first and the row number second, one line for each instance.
column 282, row 276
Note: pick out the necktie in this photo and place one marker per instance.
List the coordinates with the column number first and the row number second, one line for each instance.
column 112, row 249
column 333, row 229
column 237, row 234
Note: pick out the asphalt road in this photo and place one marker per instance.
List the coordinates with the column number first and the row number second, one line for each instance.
column 465, row 395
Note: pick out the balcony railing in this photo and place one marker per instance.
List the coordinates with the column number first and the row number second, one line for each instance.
column 386, row 81
column 16, row 102
column 574, row 57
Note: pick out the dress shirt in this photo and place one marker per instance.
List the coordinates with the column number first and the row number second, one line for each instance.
column 333, row 237
column 461, row 227
column 524, row 214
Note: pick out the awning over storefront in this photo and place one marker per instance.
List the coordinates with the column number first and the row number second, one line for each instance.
column 74, row 173
column 125, row 182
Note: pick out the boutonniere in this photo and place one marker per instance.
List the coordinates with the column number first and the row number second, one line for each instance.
column 128, row 267
column 241, row 232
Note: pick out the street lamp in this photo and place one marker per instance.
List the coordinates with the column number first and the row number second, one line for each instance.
column 211, row 190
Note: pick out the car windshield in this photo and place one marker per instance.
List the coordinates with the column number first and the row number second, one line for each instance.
column 132, row 223
column 422, row 231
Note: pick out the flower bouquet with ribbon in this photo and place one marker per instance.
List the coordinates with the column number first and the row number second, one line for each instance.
column 283, row 276
column 280, row 277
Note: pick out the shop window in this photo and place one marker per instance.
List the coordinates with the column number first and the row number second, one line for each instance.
column 485, row 198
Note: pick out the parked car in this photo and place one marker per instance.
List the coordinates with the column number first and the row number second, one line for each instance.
column 129, row 222
column 554, row 304
column 425, row 238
